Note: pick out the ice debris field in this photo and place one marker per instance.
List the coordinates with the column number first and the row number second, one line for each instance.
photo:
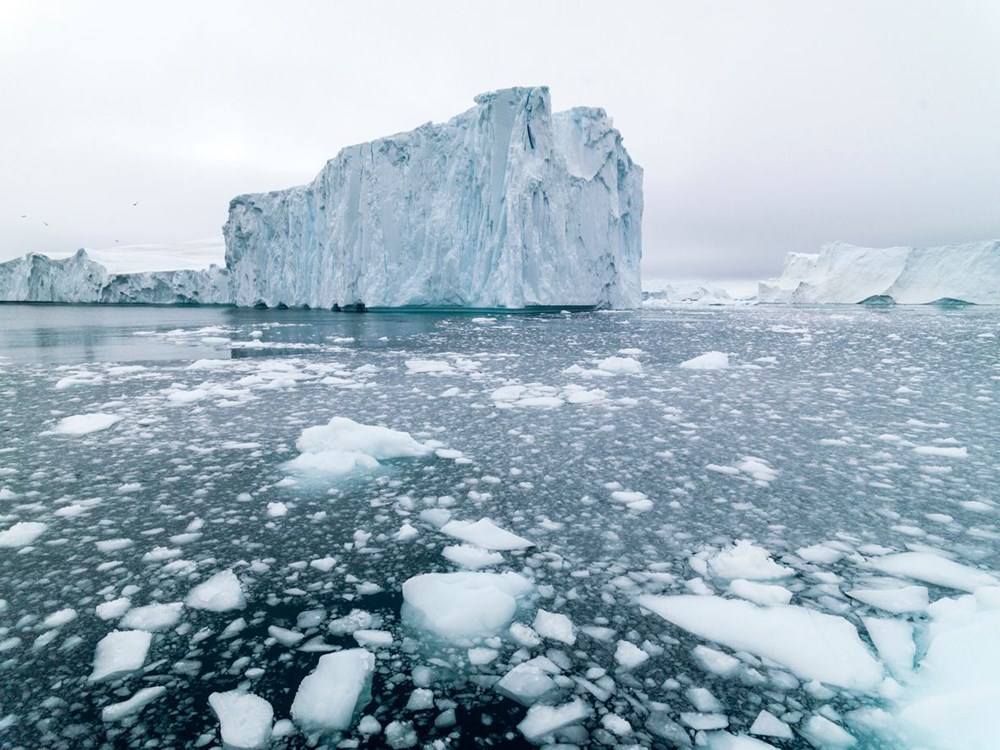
column 741, row 528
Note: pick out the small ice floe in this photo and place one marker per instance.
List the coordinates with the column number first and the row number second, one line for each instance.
column 59, row 618
column 438, row 366
column 356, row 620
column 119, row 653
column 813, row 645
column 931, row 568
column 944, row 451
column 748, row 561
column 528, row 682
column 486, row 534
column 629, row 656
column 343, row 446
column 132, row 706
column 759, row 593
column 768, row 725
column 620, row 365
column 632, row 499
column 220, row 593
column 21, row 534
column 543, row 721
column 85, row 424
column 113, row 609
column 329, row 698
column 461, row 606
column 153, row 617
column 556, row 626
column 707, row 361
column 470, row 557
column 244, row 719
column 899, row 600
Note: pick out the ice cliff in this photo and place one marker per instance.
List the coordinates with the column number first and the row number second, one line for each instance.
column 79, row 278
column 505, row 206
column 847, row 274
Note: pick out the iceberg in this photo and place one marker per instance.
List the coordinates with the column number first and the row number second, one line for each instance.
column 507, row 205
column 151, row 274
column 846, row 274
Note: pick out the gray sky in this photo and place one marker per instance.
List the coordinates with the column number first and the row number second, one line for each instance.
column 763, row 127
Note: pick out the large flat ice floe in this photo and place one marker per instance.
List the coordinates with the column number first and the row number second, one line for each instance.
column 507, row 205
column 846, row 274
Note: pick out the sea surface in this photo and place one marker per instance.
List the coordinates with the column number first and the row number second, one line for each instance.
column 848, row 432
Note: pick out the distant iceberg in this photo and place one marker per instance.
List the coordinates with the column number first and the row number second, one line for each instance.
column 504, row 206
column 139, row 274
column 847, row 274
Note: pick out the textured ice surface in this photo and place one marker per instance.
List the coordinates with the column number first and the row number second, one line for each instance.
column 505, row 205
column 486, row 534
column 21, row 534
column 118, row 653
column 84, row 424
column 843, row 273
column 220, row 593
column 331, row 695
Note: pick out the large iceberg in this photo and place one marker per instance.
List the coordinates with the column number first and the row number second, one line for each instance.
column 507, row 205
column 847, row 274
column 150, row 274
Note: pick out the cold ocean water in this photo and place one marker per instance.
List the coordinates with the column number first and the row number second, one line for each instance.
column 798, row 538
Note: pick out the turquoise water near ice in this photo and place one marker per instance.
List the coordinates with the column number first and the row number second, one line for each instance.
column 833, row 399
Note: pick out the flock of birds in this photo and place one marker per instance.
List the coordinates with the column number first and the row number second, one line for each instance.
column 45, row 223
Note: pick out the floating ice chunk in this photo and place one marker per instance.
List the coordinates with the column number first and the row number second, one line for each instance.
column 893, row 640
column 421, row 699
column 357, row 619
column 284, row 636
column 428, row 365
column 480, row 655
column 526, row 683
column 898, row 600
column 620, row 365
column 277, row 510
column 760, row 593
column 114, row 609
column 930, row 568
column 84, row 424
column 630, row 656
column 220, row 593
column 331, row 695
column 21, row 534
column 819, row 553
column 813, row 645
column 758, row 468
column 61, row 617
column 484, row 533
column 406, row 533
column 458, row 606
column 727, row 741
column 543, row 721
column 471, row 557
column 707, row 361
column 524, row 636
column 554, row 625
column 717, row 662
column 952, row 702
column 373, row 637
column 946, row 451
column 244, row 719
column 748, row 561
column 118, row 653
column 822, row 732
column 135, row 704
column 768, row 725
column 704, row 722
column 400, row 734
column 153, row 617
column 616, row 724
column 635, row 500
column 343, row 446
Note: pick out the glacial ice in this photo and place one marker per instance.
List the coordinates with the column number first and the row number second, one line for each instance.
column 21, row 534
column 847, row 274
column 118, row 653
column 220, row 593
column 344, row 446
column 504, row 206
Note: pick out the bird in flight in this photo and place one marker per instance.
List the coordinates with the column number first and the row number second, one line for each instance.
column 135, row 204
column 45, row 223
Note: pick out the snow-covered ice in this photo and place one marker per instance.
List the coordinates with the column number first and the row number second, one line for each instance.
column 120, row 652
column 220, row 593
column 245, row 719
column 343, row 446
column 460, row 606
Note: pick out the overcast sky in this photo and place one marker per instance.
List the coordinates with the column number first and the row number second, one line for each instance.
column 763, row 127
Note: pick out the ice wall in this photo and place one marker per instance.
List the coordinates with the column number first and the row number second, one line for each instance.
column 505, row 206
column 842, row 273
